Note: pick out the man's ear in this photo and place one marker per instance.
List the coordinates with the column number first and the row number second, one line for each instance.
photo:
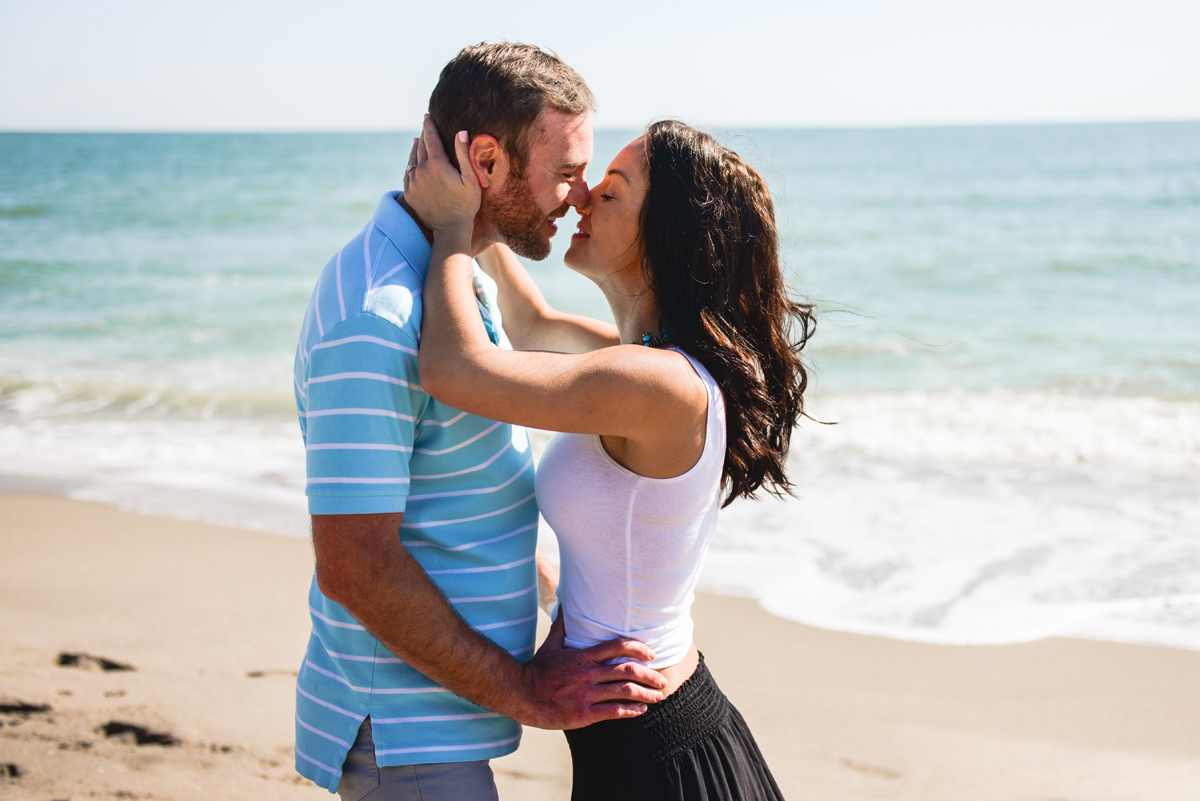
column 489, row 160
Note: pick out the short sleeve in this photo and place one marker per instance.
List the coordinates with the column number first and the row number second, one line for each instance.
column 363, row 401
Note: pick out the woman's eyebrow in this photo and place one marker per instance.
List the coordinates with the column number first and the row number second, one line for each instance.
column 624, row 177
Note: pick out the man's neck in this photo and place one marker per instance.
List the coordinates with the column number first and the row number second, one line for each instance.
column 426, row 230
column 479, row 242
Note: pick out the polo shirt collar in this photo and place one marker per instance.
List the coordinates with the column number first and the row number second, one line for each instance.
column 398, row 226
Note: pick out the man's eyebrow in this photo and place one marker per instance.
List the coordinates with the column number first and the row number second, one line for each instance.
column 572, row 165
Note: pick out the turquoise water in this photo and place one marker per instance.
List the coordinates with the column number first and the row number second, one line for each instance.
column 1008, row 343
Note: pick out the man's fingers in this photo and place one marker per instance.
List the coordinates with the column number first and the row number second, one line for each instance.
column 634, row 672
column 622, row 691
column 613, row 711
column 612, row 649
column 557, row 636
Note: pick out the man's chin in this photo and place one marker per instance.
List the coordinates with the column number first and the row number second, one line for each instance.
column 530, row 248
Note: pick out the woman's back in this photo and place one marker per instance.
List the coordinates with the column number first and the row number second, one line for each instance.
column 631, row 547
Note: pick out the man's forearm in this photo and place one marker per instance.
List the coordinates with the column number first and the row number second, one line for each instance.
column 362, row 565
column 386, row 590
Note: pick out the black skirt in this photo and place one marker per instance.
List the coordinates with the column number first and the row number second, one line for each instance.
column 694, row 746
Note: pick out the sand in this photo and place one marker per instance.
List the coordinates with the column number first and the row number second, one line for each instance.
column 213, row 623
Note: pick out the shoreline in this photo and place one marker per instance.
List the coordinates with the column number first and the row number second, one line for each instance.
column 213, row 621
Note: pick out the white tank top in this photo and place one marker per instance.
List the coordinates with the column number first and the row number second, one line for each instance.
column 631, row 547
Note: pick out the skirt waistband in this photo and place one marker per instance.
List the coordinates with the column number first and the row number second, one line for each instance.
column 684, row 718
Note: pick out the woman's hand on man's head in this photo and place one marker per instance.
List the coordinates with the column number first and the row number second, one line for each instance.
column 443, row 197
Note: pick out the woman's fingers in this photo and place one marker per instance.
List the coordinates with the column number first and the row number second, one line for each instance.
column 462, row 149
column 412, row 160
column 422, row 148
column 431, row 141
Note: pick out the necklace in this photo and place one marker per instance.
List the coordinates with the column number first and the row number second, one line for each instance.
column 656, row 341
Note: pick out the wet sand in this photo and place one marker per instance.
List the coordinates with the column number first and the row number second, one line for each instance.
column 211, row 623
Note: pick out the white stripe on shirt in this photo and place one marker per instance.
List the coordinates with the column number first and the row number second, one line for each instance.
column 462, row 444
column 320, row 733
column 337, row 268
column 354, row 480
column 394, row 691
column 357, row 446
column 368, row 412
column 469, row 545
column 505, row 623
column 477, row 491
column 488, row 569
column 379, row 281
column 479, row 466
column 480, row 598
column 327, row 705
column 434, row 523
column 333, row 343
column 320, row 765
column 434, row 718
column 321, row 379
column 338, row 623
column 428, row 748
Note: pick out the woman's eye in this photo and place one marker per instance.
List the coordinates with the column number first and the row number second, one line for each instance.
column 606, row 197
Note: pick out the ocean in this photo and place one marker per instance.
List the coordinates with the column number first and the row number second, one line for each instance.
column 1005, row 397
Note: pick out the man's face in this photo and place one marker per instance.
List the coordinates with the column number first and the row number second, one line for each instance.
column 523, row 210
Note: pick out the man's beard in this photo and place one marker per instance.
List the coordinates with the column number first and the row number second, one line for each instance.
column 519, row 221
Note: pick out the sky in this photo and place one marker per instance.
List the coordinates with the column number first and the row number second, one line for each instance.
column 368, row 65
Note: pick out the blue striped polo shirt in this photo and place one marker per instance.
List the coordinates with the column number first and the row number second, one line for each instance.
column 377, row 443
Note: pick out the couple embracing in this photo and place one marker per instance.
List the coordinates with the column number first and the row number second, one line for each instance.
column 422, row 664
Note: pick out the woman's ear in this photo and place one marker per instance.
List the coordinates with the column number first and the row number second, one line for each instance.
column 489, row 160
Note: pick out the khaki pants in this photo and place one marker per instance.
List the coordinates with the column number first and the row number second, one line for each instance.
column 364, row 780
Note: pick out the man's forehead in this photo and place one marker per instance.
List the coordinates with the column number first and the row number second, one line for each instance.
column 564, row 140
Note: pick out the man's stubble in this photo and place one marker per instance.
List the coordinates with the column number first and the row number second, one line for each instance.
column 518, row 220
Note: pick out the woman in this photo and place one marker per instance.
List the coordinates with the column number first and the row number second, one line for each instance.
column 700, row 398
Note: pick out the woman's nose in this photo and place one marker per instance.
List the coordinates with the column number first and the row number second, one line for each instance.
column 579, row 195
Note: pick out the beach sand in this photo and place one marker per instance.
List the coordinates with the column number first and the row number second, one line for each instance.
column 213, row 623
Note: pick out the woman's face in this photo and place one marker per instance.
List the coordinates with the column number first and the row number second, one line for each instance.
column 607, row 240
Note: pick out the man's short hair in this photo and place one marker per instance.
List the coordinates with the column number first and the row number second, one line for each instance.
column 500, row 89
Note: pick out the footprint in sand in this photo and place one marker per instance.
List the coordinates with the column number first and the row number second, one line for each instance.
column 89, row 662
column 133, row 734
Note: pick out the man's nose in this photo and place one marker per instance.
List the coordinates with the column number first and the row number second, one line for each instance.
column 579, row 194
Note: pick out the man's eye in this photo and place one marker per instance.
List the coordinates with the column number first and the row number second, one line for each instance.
column 570, row 176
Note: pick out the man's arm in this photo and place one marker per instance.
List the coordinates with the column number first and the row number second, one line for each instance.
column 529, row 321
column 361, row 565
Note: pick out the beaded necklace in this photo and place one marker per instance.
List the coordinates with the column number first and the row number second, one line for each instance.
column 656, row 341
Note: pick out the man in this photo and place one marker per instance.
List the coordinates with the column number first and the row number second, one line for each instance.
column 420, row 667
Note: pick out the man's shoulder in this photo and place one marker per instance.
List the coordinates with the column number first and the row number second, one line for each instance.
column 392, row 317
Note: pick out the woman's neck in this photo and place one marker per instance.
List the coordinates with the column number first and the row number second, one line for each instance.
column 634, row 308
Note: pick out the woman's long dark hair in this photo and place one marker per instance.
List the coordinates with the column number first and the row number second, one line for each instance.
column 711, row 253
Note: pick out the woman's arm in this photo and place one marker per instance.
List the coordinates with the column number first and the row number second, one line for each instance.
column 650, row 397
column 529, row 321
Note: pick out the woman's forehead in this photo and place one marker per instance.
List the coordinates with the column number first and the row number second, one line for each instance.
column 631, row 161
